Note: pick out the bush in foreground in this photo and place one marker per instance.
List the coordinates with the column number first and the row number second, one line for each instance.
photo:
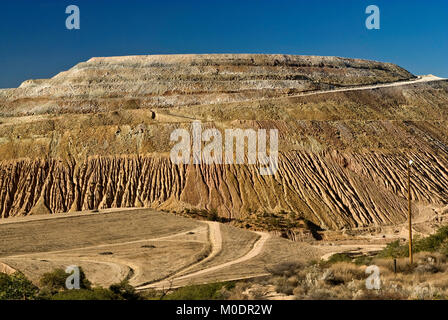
column 211, row 291
column 437, row 242
column 85, row 294
column 54, row 281
column 16, row 287
column 124, row 291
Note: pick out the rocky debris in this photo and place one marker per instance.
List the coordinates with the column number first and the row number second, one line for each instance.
column 38, row 186
column 312, row 185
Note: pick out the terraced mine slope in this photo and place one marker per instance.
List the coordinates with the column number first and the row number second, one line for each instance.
column 98, row 136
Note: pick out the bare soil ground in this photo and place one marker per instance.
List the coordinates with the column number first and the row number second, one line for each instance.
column 65, row 231
column 155, row 250
column 149, row 248
column 274, row 250
column 140, row 245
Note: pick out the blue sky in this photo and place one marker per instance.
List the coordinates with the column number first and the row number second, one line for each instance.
column 35, row 43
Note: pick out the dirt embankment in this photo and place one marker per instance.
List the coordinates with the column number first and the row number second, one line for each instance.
column 333, row 190
column 97, row 136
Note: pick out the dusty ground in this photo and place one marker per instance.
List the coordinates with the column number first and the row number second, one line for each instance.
column 151, row 249
column 155, row 250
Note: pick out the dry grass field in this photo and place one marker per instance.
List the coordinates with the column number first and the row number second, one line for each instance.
column 67, row 231
column 149, row 248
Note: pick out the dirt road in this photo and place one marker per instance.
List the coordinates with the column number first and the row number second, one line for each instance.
column 420, row 79
column 216, row 242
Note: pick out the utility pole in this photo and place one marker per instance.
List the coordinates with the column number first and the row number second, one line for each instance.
column 411, row 258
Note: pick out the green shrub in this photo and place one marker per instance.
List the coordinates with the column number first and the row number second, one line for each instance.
column 85, row 294
column 124, row 291
column 435, row 242
column 339, row 257
column 394, row 250
column 16, row 287
column 211, row 291
column 54, row 281
column 363, row 260
column 53, row 288
column 119, row 291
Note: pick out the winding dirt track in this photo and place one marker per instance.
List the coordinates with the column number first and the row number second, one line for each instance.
column 133, row 270
column 427, row 78
column 419, row 79
column 216, row 243
column 120, row 267
column 215, row 239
